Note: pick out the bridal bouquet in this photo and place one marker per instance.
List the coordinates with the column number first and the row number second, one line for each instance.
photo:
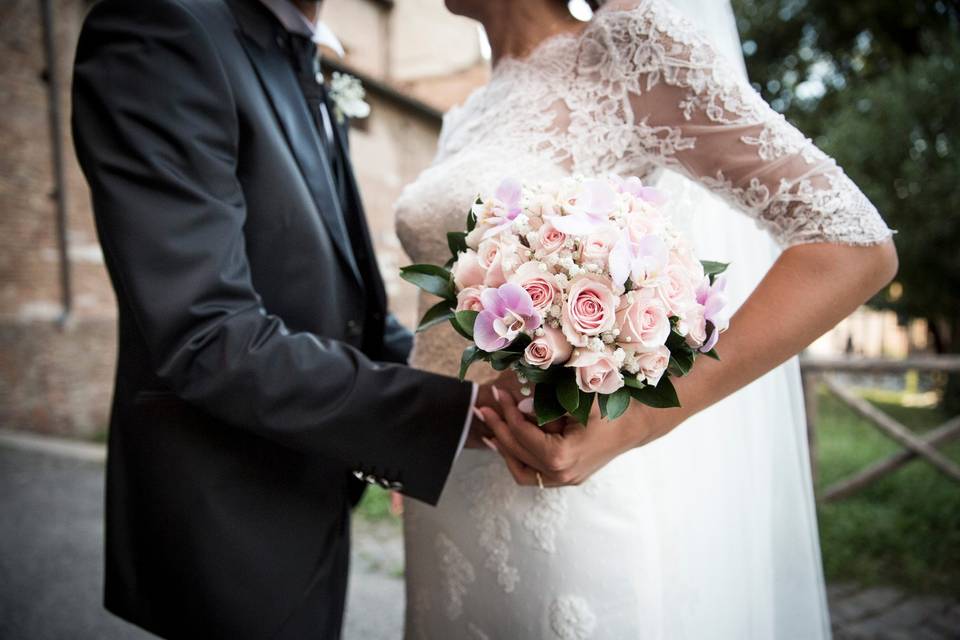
column 582, row 287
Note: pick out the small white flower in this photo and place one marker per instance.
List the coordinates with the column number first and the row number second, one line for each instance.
column 347, row 95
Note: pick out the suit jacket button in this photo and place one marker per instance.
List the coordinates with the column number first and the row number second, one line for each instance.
column 358, row 475
column 353, row 328
column 370, row 480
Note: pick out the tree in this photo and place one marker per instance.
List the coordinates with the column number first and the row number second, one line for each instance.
column 875, row 82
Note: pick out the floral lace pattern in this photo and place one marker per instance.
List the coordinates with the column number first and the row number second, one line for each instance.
column 571, row 618
column 491, row 492
column 543, row 519
column 457, row 574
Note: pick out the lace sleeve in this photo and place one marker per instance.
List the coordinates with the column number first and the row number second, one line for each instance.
column 689, row 110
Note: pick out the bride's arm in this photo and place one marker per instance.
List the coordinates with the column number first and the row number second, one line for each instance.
column 807, row 291
column 838, row 251
column 690, row 111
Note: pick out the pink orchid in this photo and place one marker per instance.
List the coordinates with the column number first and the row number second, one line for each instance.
column 714, row 300
column 634, row 186
column 508, row 198
column 591, row 211
column 507, row 311
column 641, row 260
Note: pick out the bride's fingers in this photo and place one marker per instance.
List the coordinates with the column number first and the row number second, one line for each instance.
column 522, row 474
column 505, row 440
column 525, row 433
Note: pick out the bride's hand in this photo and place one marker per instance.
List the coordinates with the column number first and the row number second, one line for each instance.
column 573, row 453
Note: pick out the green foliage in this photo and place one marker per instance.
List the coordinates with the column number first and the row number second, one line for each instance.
column 900, row 135
column 662, row 396
column 875, row 83
column 430, row 278
column 440, row 312
column 904, row 529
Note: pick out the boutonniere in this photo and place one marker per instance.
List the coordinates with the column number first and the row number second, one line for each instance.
column 347, row 95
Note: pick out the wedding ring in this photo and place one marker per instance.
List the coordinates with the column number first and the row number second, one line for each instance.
column 539, row 480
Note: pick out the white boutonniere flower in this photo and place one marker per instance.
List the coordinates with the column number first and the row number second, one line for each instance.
column 347, row 95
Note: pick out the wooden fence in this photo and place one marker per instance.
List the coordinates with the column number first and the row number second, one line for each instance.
column 817, row 371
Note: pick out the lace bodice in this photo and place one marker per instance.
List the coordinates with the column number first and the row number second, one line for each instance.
column 638, row 89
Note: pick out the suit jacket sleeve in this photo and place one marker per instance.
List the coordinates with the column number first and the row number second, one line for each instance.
column 397, row 341
column 157, row 136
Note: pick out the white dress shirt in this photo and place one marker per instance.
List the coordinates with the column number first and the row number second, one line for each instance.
column 294, row 21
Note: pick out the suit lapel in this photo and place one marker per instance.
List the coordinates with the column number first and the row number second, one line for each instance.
column 341, row 140
column 280, row 85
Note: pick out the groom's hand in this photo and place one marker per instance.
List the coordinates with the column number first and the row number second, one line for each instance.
column 565, row 454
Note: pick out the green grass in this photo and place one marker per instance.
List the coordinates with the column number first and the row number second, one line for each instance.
column 904, row 529
column 375, row 505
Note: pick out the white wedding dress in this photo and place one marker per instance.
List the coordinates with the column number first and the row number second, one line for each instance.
column 710, row 532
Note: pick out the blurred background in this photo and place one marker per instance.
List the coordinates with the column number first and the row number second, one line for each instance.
column 875, row 82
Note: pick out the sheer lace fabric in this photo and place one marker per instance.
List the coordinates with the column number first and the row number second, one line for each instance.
column 639, row 91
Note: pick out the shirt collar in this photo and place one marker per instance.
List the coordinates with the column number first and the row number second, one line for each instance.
column 294, row 21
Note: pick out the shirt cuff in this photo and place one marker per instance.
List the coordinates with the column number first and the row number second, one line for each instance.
column 466, row 424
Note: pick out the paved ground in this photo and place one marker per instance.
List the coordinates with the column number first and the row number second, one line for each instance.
column 50, row 569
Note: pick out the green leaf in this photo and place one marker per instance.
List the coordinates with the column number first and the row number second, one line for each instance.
column 545, row 404
column 582, row 414
column 472, row 217
column 457, row 241
column 435, row 315
column 537, row 375
column 430, row 278
column 470, row 355
column 632, row 381
column 676, row 342
column 465, row 321
column 613, row 405
column 712, row 354
column 712, row 268
column 681, row 361
column 662, row 396
column 568, row 393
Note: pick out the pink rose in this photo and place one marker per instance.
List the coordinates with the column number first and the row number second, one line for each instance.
column 675, row 289
column 590, row 309
column 596, row 247
column 467, row 270
column 644, row 321
column 540, row 284
column 643, row 220
column 550, row 348
column 548, row 239
column 597, row 371
column 683, row 256
column 653, row 364
column 499, row 257
column 469, row 299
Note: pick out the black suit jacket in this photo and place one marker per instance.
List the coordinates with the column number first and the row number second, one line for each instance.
column 254, row 343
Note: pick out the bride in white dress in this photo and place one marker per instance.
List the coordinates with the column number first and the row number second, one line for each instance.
column 709, row 532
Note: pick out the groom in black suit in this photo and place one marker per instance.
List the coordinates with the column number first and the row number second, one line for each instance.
column 254, row 389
